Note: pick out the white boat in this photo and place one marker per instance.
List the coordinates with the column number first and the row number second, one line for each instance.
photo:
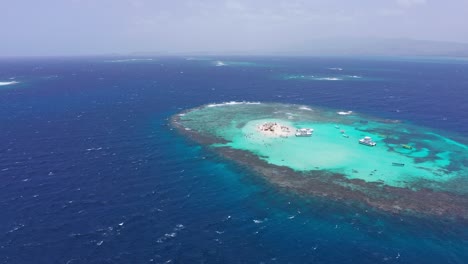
column 367, row 141
column 304, row 132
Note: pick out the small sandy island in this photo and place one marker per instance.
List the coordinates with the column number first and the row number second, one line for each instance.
column 275, row 129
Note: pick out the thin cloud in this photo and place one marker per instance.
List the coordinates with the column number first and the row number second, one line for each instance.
column 410, row 3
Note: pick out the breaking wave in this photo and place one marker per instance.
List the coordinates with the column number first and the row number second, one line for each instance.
column 329, row 79
column 130, row 60
column 219, row 63
column 233, row 103
column 8, row 83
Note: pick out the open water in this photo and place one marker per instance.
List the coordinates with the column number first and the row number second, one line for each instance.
column 90, row 171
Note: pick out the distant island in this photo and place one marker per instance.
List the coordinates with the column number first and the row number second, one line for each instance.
column 341, row 155
column 341, row 46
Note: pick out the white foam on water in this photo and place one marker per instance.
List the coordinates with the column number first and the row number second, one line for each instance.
column 219, row 63
column 130, row 60
column 305, row 108
column 329, row 79
column 344, row 112
column 173, row 234
column 257, row 221
column 8, row 83
column 232, row 103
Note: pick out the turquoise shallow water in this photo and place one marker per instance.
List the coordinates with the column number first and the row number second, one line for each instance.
column 430, row 160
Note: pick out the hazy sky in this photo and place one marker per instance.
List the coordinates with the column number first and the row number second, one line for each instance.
column 59, row 27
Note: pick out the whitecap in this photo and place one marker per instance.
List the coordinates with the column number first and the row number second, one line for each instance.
column 344, row 112
column 130, row 60
column 329, row 79
column 90, row 149
column 16, row 228
column 173, row 234
column 305, row 108
column 219, row 63
column 232, row 103
column 8, row 83
column 179, row 227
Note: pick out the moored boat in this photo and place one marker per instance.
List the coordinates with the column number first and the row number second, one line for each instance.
column 367, row 141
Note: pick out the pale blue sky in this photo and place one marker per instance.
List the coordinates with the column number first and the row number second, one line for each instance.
column 76, row 27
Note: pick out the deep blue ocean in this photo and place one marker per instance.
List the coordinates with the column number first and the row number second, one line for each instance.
column 90, row 171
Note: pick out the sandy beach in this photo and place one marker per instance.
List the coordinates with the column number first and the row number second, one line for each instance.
column 275, row 129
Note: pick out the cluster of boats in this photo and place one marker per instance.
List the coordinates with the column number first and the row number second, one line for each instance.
column 307, row 132
column 367, row 141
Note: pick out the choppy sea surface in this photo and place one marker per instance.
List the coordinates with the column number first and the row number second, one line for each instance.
column 90, row 171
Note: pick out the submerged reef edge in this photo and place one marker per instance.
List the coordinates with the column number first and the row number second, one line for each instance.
column 335, row 186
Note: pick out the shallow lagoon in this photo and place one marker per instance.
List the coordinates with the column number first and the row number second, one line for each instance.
column 430, row 161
